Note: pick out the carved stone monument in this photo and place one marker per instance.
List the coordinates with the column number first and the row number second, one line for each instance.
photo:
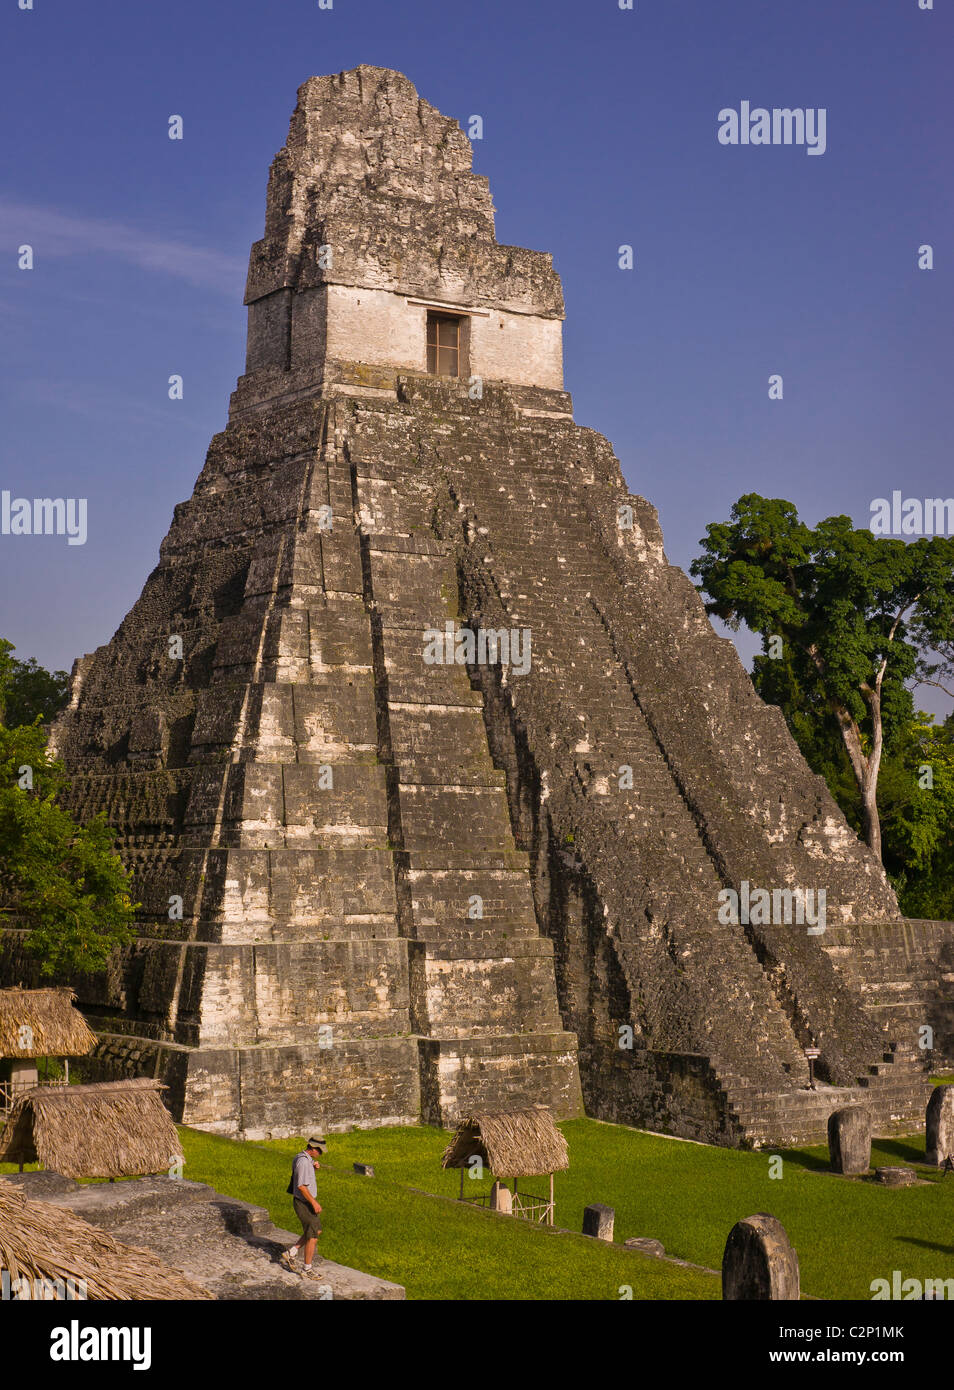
column 939, row 1132
column 849, row 1140
column 759, row 1262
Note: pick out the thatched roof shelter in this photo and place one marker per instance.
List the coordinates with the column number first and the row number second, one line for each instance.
column 511, row 1143
column 42, row 1023
column 113, row 1129
column 40, row 1241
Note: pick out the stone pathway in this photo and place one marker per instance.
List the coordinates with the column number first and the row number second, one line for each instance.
column 228, row 1246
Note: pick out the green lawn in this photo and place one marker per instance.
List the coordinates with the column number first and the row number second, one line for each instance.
column 847, row 1232
column 436, row 1249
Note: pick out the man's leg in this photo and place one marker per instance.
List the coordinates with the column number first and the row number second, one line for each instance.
column 291, row 1254
column 308, row 1250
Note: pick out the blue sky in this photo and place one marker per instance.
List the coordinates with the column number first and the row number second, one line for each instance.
column 600, row 128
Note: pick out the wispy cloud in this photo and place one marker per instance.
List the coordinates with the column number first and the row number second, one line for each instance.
column 54, row 233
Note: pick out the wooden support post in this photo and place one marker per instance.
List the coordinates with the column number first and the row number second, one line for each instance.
column 550, row 1212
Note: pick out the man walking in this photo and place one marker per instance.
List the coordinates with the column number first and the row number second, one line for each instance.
column 303, row 1189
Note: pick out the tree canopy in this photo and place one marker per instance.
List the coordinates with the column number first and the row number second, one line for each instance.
column 28, row 689
column 61, row 880
column 848, row 620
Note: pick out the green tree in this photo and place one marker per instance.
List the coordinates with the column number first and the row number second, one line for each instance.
column 60, row 879
column 30, row 690
column 915, row 788
column 855, row 615
column 916, row 798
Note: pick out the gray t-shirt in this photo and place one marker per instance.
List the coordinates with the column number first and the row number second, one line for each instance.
column 303, row 1174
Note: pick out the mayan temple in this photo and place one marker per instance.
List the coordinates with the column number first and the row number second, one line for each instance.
column 389, row 877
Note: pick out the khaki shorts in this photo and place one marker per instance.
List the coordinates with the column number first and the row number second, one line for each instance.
column 310, row 1220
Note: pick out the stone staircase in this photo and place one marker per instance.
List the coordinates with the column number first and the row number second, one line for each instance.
column 528, row 558
column 483, row 988
column 895, row 1092
column 905, row 973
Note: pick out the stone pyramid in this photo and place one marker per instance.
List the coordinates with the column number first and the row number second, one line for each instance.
column 389, row 873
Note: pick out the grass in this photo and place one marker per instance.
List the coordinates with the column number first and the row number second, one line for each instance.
column 438, row 1249
column 847, row 1232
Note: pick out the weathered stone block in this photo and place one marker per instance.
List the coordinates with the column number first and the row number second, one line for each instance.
column 939, row 1131
column 896, row 1177
column 646, row 1245
column 849, row 1140
column 759, row 1262
column 598, row 1221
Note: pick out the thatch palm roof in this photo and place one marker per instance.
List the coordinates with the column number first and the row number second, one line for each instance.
column 55, row 1028
column 40, row 1241
column 114, row 1129
column 512, row 1143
